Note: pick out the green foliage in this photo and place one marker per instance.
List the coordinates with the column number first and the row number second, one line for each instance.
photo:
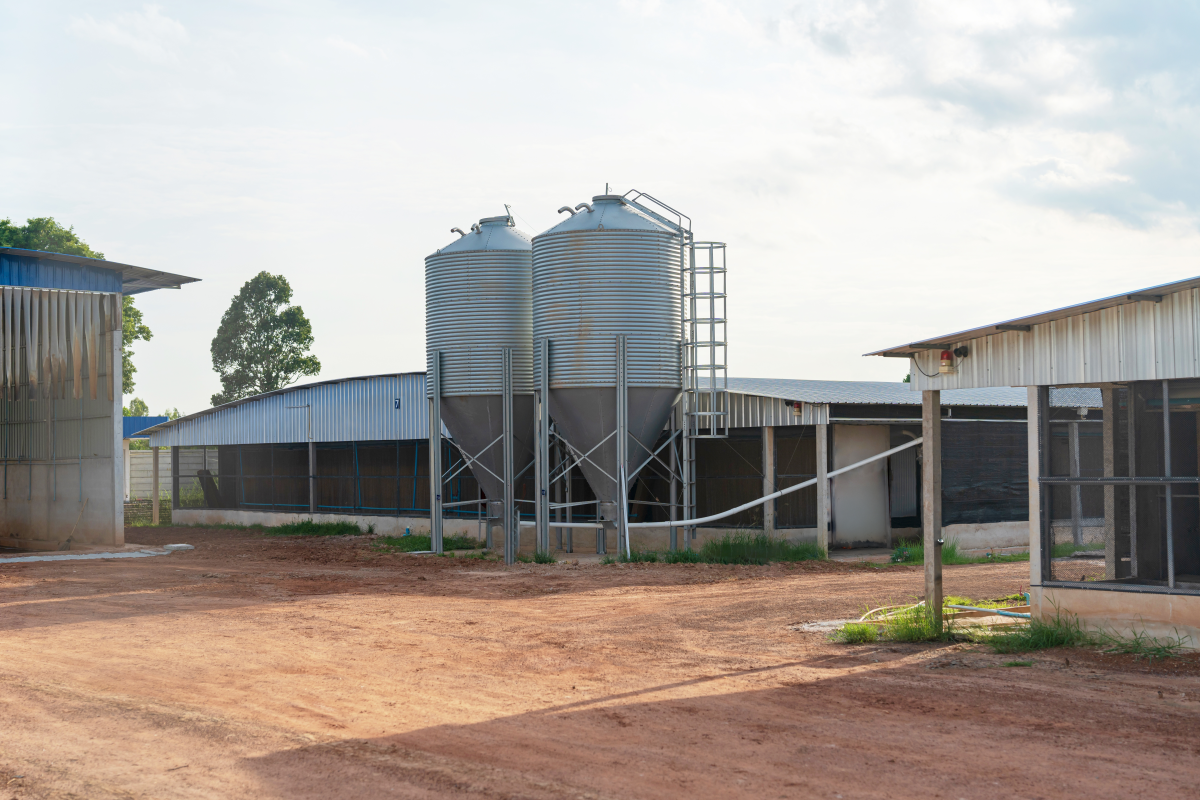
column 1141, row 645
column 137, row 408
column 262, row 342
column 133, row 329
column 544, row 558
column 639, row 557
column 744, row 547
column 171, row 413
column 309, row 528
column 855, row 633
column 1018, row 663
column 608, row 560
column 419, row 542
column 681, row 557
column 45, row 234
column 1061, row 630
column 524, row 559
column 916, row 624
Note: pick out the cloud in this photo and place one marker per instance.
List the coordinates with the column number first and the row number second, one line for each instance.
column 148, row 33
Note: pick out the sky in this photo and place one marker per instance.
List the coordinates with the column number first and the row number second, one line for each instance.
column 880, row 171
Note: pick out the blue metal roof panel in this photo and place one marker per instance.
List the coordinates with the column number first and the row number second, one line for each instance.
column 38, row 269
column 133, row 426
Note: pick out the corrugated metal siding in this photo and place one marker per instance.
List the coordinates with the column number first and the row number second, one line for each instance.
column 754, row 411
column 1133, row 342
column 358, row 409
column 45, row 273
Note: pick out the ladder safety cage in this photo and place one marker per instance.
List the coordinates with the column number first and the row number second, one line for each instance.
column 705, row 346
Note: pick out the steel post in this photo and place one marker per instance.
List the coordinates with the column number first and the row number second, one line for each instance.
column 312, row 476
column 823, row 515
column 1166, row 404
column 542, row 450
column 512, row 528
column 674, row 467
column 622, row 447
column 435, row 451
column 155, row 503
column 768, row 478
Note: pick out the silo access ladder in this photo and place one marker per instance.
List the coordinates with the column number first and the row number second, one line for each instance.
column 705, row 348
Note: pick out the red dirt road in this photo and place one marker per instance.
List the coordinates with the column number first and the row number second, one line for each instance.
column 264, row 667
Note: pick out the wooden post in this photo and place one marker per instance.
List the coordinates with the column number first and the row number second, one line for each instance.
column 154, row 501
column 768, row 482
column 823, row 518
column 931, row 499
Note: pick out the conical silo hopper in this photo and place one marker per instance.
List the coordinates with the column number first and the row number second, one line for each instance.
column 477, row 302
column 608, row 270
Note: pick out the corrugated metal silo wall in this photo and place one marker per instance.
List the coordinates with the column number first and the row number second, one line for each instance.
column 387, row 407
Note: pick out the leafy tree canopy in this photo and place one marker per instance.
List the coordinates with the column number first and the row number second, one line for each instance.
column 137, row 408
column 44, row 233
column 172, row 413
column 262, row 343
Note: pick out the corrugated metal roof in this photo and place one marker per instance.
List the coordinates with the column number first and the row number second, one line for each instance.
column 133, row 280
column 136, row 426
column 896, row 393
column 1153, row 295
column 370, row 408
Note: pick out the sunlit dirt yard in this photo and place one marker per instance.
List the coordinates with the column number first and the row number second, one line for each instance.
column 269, row 667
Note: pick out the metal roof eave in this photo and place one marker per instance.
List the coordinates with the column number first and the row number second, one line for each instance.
column 1152, row 294
column 164, row 425
column 134, row 280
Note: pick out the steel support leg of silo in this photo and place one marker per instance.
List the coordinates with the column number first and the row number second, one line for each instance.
column 622, row 520
column 435, row 452
column 541, row 489
column 673, row 463
column 512, row 529
column 1108, row 427
column 931, row 499
column 768, row 478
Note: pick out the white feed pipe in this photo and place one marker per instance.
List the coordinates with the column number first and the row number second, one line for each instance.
column 679, row 523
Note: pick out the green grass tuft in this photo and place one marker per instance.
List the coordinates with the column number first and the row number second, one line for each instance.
column 307, row 527
column 1066, row 549
column 1018, row 663
column 639, row 557
column 742, row 547
column 855, row 633
column 421, row 542
column 1140, row 645
column 608, row 560
column 544, row 558
column 680, row 557
column 1061, row 630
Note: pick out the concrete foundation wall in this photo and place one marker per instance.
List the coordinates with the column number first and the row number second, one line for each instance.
column 1126, row 613
column 42, row 505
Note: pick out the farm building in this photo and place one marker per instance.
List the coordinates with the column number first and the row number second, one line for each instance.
column 1140, row 472
column 358, row 448
column 61, row 428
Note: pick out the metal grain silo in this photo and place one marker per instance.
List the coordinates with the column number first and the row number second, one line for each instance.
column 605, row 279
column 478, row 305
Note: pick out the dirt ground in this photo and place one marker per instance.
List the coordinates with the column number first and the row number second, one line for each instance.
column 268, row 667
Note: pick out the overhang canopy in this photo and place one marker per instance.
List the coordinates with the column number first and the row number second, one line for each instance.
column 134, row 280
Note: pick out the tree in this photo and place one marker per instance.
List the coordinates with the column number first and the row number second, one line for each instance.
column 262, row 343
column 172, row 413
column 43, row 233
column 137, row 408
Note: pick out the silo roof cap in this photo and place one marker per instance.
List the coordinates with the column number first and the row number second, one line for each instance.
column 492, row 233
column 611, row 212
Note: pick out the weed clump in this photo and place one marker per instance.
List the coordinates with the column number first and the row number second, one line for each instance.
column 740, row 547
column 544, row 558
column 307, row 527
column 855, row 633
column 417, row 543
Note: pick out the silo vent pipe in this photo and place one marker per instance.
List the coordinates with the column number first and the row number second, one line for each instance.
column 584, row 205
column 567, row 209
column 458, row 231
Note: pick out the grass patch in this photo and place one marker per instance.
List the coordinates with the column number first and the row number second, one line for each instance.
column 544, row 558
column 1067, row 549
column 1142, row 646
column 912, row 552
column 1061, row 630
column 855, row 633
column 608, row 560
column 419, row 542
column 740, row 547
column 1018, row 664
column 306, row 527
